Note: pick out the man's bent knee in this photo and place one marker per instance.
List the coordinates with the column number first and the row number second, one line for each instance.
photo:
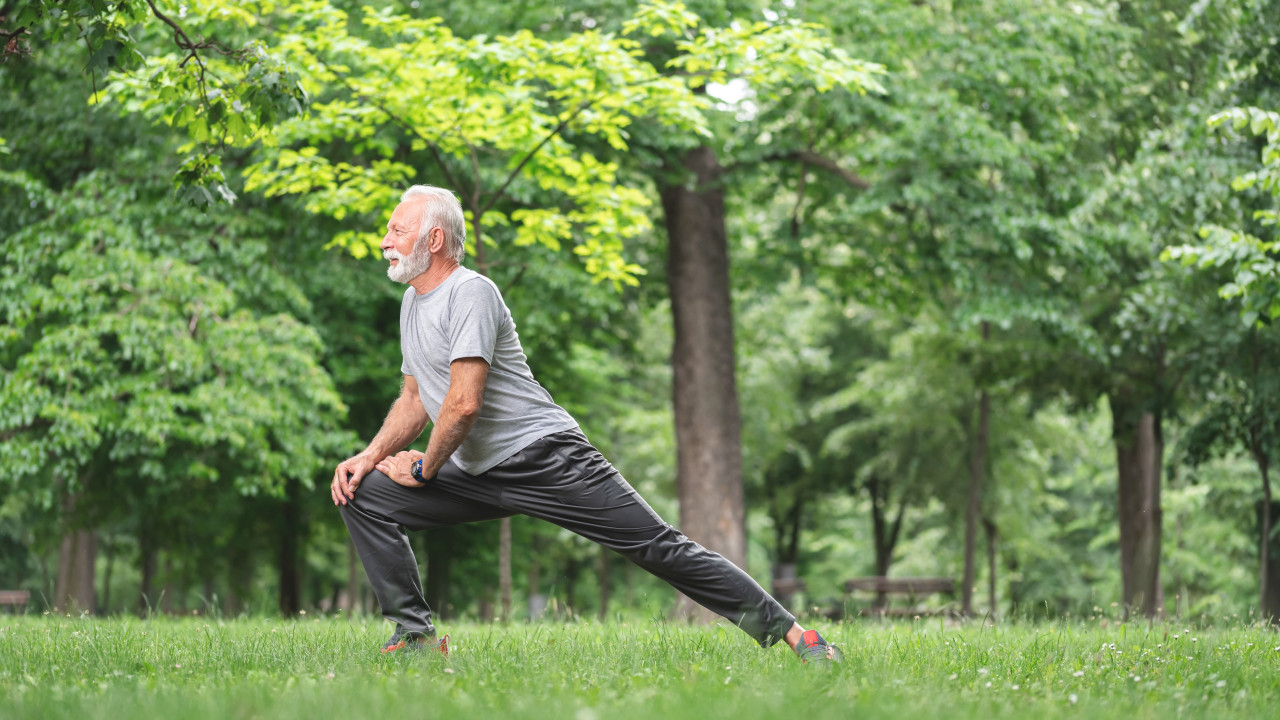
column 373, row 486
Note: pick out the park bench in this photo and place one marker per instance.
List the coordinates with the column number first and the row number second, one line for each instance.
column 16, row 598
column 913, row 588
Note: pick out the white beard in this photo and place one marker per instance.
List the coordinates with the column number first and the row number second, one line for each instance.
column 409, row 267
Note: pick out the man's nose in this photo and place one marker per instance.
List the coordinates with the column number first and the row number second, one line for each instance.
column 386, row 241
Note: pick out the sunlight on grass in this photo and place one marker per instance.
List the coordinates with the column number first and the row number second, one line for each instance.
column 312, row 668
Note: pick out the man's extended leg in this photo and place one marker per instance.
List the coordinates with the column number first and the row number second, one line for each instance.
column 563, row 479
column 377, row 518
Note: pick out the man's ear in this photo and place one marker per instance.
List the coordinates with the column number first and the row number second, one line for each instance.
column 435, row 240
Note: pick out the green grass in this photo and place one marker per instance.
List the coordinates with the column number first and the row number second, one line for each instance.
column 60, row 667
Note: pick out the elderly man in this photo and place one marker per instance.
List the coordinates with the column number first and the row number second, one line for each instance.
column 500, row 446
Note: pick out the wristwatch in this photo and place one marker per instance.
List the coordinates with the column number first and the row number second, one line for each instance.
column 415, row 471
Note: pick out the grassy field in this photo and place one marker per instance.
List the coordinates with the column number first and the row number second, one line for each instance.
column 317, row 668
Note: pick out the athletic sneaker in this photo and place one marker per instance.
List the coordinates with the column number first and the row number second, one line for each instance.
column 417, row 643
column 813, row 648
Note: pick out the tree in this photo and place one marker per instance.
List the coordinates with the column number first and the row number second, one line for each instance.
column 513, row 103
column 223, row 92
column 1242, row 414
column 137, row 387
column 967, row 164
column 1163, row 182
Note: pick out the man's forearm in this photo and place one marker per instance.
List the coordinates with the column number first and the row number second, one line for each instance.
column 403, row 425
column 455, row 421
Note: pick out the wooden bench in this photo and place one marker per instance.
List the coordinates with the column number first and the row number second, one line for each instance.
column 16, row 598
column 913, row 588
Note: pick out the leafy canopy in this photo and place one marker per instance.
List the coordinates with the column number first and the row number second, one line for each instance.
column 507, row 118
column 1254, row 263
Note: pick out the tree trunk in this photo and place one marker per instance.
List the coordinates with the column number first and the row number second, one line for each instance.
column 439, row 559
column 75, row 585
column 74, row 590
column 707, row 420
column 605, row 584
column 990, row 527
column 1268, row 597
column 537, row 600
column 572, row 568
column 147, row 553
column 504, row 527
column 628, row 582
column 1014, row 585
column 167, row 591
column 977, row 462
column 504, row 567
column 1139, row 459
column 206, row 592
column 184, row 583
column 884, row 535
column 787, row 541
column 290, row 570
column 351, row 601
column 239, row 577
column 110, row 550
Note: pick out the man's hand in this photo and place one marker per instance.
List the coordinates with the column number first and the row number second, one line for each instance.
column 347, row 478
column 398, row 466
column 403, row 425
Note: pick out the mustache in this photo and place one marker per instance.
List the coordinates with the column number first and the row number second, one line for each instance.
column 390, row 254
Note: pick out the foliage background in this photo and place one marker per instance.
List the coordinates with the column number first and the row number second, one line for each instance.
column 179, row 373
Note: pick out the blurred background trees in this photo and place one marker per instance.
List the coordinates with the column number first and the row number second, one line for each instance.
column 983, row 291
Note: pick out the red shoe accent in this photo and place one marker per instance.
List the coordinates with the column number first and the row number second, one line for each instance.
column 419, row 643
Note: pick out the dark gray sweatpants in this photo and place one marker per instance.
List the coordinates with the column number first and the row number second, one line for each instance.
column 562, row 479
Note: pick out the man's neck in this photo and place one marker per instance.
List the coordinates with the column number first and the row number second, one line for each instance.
column 435, row 275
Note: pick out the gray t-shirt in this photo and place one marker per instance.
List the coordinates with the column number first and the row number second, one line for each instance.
column 466, row 317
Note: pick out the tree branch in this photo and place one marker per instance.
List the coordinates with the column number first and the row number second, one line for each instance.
column 10, row 44
column 195, row 319
column 556, row 131
column 476, row 187
column 432, row 146
column 182, row 40
column 800, row 188
column 807, row 157
column 516, row 280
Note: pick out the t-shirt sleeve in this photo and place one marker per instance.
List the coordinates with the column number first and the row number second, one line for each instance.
column 475, row 315
column 404, row 328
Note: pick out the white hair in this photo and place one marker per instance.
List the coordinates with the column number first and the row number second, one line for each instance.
column 441, row 209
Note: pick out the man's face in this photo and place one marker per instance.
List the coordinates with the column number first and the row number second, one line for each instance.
column 409, row 259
